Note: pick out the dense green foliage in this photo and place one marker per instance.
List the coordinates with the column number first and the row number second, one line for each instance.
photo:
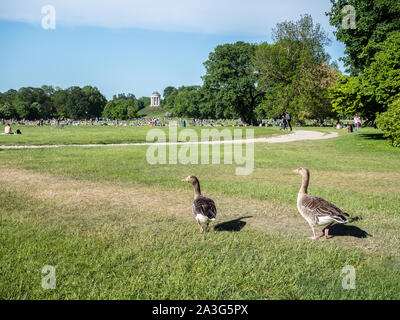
column 373, row 58
column 184, row 101
column 167, row 91
column 79, row 103
column 372, row 91
column 389, row 122
column 120, row 109
column 375, row 20
column 74, row 103
column 27, row 102
column 143, row 102
column 230, row 89
column 46, row 102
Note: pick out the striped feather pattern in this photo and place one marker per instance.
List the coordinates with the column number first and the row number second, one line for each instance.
column 204, row 206
column 321, row 212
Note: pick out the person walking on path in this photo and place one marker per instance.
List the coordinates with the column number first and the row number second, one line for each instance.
column 288, row 119
column 357, row 122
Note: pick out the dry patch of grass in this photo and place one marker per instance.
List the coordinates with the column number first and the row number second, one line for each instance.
column 365, row 182
column 90, row 207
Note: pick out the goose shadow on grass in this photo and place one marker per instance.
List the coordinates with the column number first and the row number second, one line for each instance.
column 232, row 225
column 344, row 230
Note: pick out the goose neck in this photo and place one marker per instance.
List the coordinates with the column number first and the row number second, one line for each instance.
column 197, row 192
column 304, row 183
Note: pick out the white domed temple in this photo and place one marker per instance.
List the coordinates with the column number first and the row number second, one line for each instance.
column 155, row 99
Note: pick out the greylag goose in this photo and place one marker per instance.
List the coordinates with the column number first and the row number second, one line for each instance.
column 203, row 208
column 317, row 211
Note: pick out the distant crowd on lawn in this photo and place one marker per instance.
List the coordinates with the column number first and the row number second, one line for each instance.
column 284, row 123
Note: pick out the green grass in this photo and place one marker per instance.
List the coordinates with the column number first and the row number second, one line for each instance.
column 152, row 112
column 45, row 135
column 116, row 227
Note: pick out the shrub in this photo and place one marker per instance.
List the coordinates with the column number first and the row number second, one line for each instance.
column 389, row 122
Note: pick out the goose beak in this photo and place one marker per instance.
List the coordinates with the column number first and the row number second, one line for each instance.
column 295, row 171
column 184, row 180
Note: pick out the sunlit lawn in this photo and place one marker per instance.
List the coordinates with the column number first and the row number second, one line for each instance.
column 115, row 226
column 44, row 135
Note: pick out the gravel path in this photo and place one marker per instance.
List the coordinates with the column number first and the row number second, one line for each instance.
column 297, row 135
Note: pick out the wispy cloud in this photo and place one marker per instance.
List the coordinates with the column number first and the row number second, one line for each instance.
column 206, row 16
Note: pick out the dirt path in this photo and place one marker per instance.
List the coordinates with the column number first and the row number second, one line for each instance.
column 297, row 135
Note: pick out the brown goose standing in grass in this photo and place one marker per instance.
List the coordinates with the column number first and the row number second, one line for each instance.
column 203, row 208
column 317, row 211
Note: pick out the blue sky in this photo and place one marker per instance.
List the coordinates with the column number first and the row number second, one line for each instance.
column 134, row 46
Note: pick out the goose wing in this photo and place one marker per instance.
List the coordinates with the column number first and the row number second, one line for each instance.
column 205, row 206
column 320, row 209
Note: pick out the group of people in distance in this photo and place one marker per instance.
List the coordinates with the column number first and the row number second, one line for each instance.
column 7, row 130
column 356, row 125
column 286, row 119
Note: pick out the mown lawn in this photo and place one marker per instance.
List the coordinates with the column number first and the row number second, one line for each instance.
column 48, row 135
column 116, row 227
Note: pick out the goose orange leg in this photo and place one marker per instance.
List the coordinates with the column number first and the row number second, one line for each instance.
column 201, row 228
column 327, row 230
column 314, row 236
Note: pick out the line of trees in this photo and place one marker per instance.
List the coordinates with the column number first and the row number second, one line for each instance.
column 254, row 81
column 292, row 74
column 74, row 102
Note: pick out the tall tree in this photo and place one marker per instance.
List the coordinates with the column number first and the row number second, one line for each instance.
column 120, row 109
column 59, row 100
column 143, row 102
column 371, row 92
column 230, row 89
column 374, row 20
column 7, row 111
column 168, row 91
column 295, row 72
column 186, row 102
column 96, row 101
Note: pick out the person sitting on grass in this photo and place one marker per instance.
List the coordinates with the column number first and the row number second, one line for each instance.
column 7, row 129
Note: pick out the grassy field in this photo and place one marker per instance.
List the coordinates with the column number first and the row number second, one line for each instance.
column 116, row 227
column 152, row 112
column 99, row 134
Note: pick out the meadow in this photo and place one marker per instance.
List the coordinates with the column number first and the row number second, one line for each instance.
column 116, row 227
column 49, row 135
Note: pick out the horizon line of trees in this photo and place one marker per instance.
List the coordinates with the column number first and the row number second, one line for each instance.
column 258, row 81
column 47, row 102
column 294, row 73
column 249, row 81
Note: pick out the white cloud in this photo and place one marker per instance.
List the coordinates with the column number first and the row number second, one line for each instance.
column 204, row 16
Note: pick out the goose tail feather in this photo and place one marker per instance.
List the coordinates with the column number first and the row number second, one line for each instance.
column 340, row 219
